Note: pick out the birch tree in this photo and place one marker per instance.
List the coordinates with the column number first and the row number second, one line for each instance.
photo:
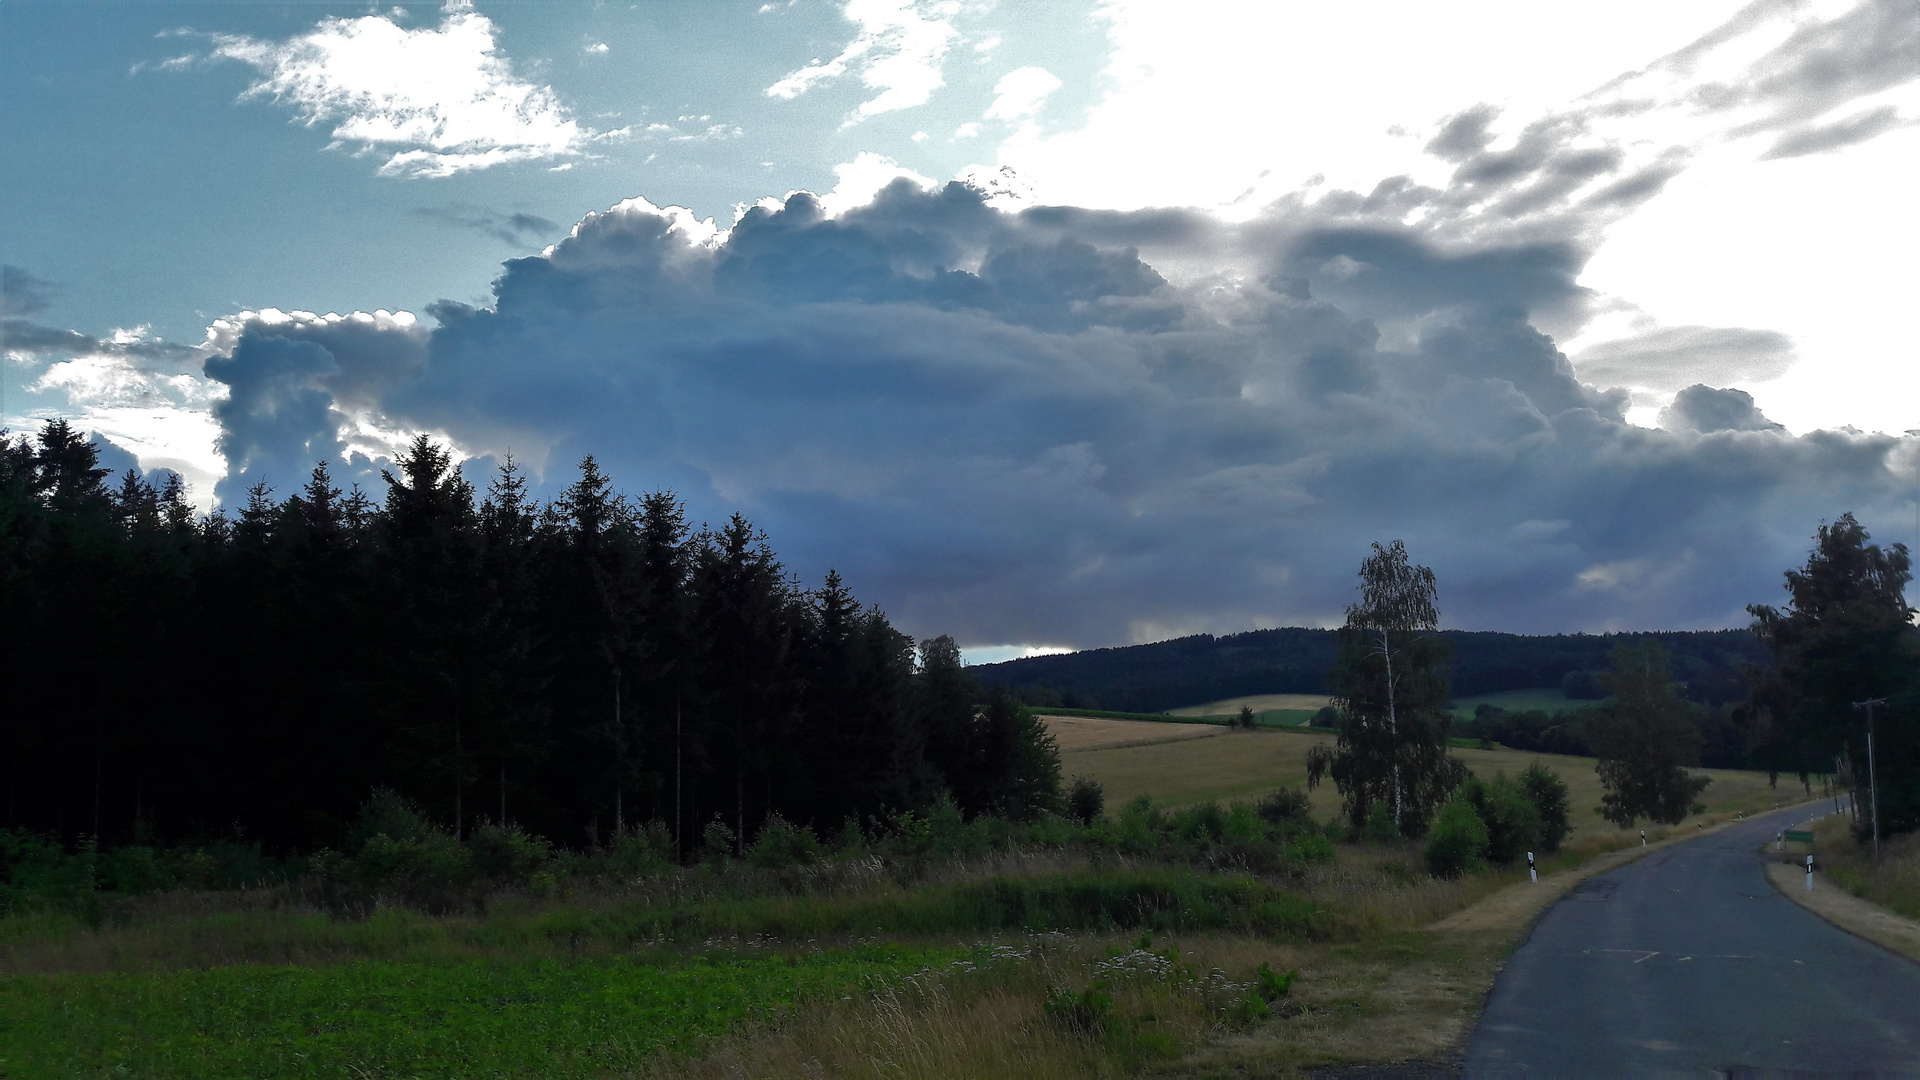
column 1390, row 687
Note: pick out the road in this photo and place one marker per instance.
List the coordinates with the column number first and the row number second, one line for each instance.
column 1689, row 961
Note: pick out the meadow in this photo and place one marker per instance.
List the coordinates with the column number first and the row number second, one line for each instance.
column 1193, row 937
column 1244, row 764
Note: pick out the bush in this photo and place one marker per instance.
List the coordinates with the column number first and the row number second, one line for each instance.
column 781, row 845
column 386, row 813
column 1327, row 717
column 1548, row 794
column 1087, row 1012
column 716, row 842
column 1272, row 986
column 635, row 852
column 1287, row 806
column 1457, row 842
column 508, row 855
column 1512, row 820
column 1086, row 801
column 1380, row 827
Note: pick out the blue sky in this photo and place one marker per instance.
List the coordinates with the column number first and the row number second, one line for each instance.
column 1600, row 307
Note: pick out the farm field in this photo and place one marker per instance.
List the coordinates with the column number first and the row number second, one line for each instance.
column 1245, row 765
column 1544, row 698
column 1269, row 710
column 1089, row 733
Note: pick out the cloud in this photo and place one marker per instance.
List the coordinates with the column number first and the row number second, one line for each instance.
column 1704, row 410
column 23, row 294
column 518, row 229
column 1672, row 357
column 1820, row 138
column 438, row 100
column 1020, row 93
column 898, row 52
column 1074, row 427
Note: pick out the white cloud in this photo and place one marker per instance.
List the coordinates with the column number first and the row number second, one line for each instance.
column 440, row 100
column 897, row 52
column 1021, row 92
column 597, row 48
column 862, row 178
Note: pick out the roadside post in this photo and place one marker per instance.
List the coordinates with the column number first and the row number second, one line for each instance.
column 1873, row 783
column 1779, row 842
column 1643, row 838
column 1809, row 873
column 1533, row 875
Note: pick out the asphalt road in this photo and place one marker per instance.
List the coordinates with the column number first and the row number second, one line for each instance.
column 1688, row 961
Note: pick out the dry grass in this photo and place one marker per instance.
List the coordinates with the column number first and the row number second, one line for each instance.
column 1246, row 765
column 1088, row 733
column 1258, row 703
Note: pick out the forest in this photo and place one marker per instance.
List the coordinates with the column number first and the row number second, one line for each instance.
column 575, row 668
column 1711, row 667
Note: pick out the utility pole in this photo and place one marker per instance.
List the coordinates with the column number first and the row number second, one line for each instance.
column 1873, row 784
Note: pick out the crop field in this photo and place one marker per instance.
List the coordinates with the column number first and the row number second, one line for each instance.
column 1089, row 733
column 1545, row 698
column 1245, row 765
column 521, row 1018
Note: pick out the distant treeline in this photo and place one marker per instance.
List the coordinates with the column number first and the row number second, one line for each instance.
column 1724, row 736
column 1709, row 665
column 573, row 667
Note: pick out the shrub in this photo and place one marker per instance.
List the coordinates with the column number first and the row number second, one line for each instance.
column 1513, row 822
column 1380, row 827
column 1457, row 842
column 1327, row 717
column 1086, row 801
column 634, row 852
column 781, row 845
column 507, row 854
column 1286, row 806
column 386, row 813
column 1245, row 721
column 1272, row 986
column 716, row 842
column 1549, row 796
column 1088, row 1012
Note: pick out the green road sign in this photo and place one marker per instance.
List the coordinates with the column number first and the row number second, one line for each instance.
column 1799, row 837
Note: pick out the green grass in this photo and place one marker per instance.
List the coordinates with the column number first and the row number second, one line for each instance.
column 1545, row 699
column 494, row 1018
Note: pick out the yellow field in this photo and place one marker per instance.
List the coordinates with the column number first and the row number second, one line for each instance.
column 1089, row 733
column 1242, row 765
column 1258, row 703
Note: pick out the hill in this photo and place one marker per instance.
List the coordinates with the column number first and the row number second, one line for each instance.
column 1294, row 660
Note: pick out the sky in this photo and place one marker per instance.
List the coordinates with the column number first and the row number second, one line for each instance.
column 1048, row 325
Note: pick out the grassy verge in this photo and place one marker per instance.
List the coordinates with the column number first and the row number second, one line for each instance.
column 1893, row 882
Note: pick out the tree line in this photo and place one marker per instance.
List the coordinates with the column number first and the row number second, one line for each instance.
column 576, row 667
column 1839, row 698
column 1709, row 666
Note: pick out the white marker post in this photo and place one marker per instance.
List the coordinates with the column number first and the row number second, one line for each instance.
column 1779, row 842
column 1809, row 873
column 1643, row 838
column 1531, row 873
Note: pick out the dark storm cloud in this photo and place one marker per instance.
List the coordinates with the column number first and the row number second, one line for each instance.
column 293, row 382
column 1025, row 428
column 1672, row 357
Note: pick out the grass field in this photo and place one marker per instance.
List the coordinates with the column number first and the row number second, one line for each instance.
column 1259, row 703
column 1546, row 699
column 1246, row 765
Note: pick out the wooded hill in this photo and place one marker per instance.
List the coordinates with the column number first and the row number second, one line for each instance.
column 1709, row 665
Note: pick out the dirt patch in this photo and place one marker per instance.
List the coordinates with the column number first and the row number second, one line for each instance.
column 1087, row 733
